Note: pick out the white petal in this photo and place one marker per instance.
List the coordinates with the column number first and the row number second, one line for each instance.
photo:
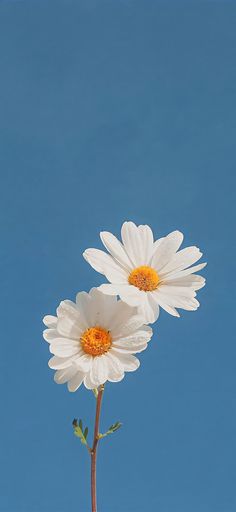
column 182, row 273
column 166, row 249
column 176, row 238
column 59, row 363
column 68, row 308
column 147, row 242
column 156, row 244
column 192, row 281
column 67, row 328
column 183, row 302
column 129, row 362
column 182, row 260
column 50, row 334
column 109, row 289
column 83, row 302
column 135, row 342
column 131, row 295
column 122, row 314
column 84, row 362
column 128, row 293
column 63, row 347
column 75, row 382
column 162, row 302
column 69, row 320
column 141, row 335
column 128, row 348
column 105, row 264
column 99, row 370
column 103, row 308
column 89, row 384
column 132, row 325
column 50, row 321
column 177, row 291
column 115, row 368
column 169, row 309
column 149, row 309
column 62, row 376
column 138, row 243
column 116, row 249
column 127, row 327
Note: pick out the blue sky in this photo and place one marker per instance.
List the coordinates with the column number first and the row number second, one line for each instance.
column 113, row 111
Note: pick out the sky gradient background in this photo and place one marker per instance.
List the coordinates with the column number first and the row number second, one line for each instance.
column 113, row 111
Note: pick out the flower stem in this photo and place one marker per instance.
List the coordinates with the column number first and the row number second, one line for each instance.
column 94, row 449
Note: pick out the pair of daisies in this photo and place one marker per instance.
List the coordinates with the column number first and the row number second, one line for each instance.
column 94, row 339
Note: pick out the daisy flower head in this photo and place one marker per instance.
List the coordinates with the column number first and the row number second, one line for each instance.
column 147, row 273
column 93, row 340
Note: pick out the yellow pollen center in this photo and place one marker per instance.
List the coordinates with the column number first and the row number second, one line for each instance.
column 96, row 341
column 145, row 278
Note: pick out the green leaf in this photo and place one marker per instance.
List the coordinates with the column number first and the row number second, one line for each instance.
column 111, row 430
column 95, row 392
column 116, row 426
column 78, row 431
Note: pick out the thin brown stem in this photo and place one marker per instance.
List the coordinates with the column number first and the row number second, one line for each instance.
column 94, row 449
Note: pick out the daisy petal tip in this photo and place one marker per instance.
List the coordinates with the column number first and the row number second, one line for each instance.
column 85, row 254
column 49, row 321
column 70, row 389
column 108, row 289
column 93, row 291
column 177, row 232
column 149, row 329
column 45, row 337
column 174, row 313
column 55, row 378
column 128, row 223
column 103, row 234
column 90, row 253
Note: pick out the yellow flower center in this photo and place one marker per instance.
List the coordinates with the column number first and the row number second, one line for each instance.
column 145, row 278
column 96, row 341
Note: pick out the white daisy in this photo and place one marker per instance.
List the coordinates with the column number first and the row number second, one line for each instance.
column 148, row 274
column 94, row 339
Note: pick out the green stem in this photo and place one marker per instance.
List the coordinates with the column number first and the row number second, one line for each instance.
column 94, row 449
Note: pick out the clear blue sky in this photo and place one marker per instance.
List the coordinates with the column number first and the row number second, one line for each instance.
column 113, row 111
